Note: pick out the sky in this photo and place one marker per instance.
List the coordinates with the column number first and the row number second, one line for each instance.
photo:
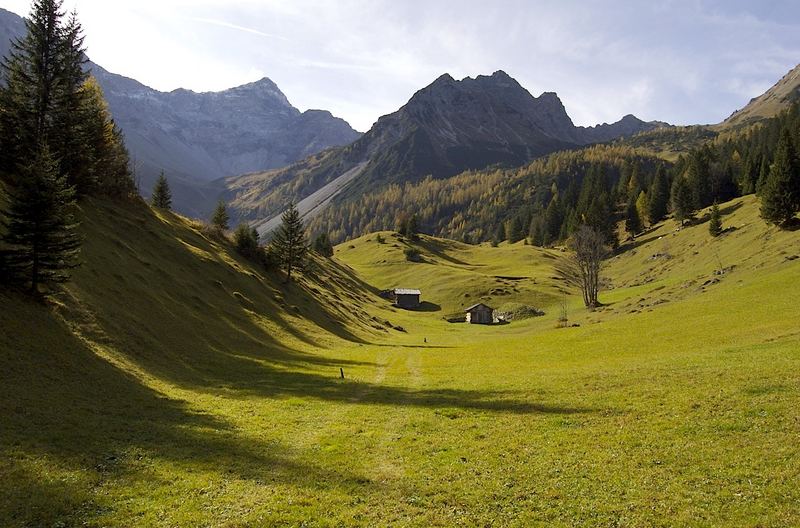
column 685, row 62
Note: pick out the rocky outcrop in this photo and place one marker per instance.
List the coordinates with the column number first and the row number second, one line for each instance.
column 199, row 137
column 445, row 128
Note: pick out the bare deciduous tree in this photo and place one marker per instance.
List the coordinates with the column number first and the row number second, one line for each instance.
column 582, row 268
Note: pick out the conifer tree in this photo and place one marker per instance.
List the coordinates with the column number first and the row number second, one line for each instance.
column 641, row 207
column 514, row 230
column 323, row 246
column 105, row 164
column 780, row 194
column 47, row 100
column 41, row 244
column 634, row 185
column 245, row 238
column 748, row 179
column 499, row 234
column 715, row 223
column 413, row 227
column 220, row 218
column 698, row 180
column 162, row 195
column 535, row 233
column 763, row 175
column 35, row 76
column 67, row 136
column 633, row 224
column 289, row 242
column 682, row 199
column 552, row 222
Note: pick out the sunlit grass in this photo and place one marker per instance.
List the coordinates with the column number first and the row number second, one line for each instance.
column 173, row 390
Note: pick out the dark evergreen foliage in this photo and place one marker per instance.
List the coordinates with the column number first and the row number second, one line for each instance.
column 780, row 193
column 323, row 246
column 49, row 100
column 408, row 225
column 57, row 142
column 245, row 239
column 633, row 224
column 682, row 199
column 220, row 217
column 658, row 196
column 289, row 242
column 41, row 243
column 162, row 195
column 715, row 222
column 515, row 230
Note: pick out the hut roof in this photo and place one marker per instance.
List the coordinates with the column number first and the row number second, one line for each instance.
column 406, row 291
column 474, row 306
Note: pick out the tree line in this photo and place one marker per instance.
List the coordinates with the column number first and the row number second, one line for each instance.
column 58, row 144
column 547, row 200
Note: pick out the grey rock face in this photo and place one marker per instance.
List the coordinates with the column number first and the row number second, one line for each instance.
column 210, row 135
column 445, row 128
column 199, row 137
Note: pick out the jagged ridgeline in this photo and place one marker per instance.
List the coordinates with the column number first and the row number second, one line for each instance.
column 445, row 129
column 548, row 198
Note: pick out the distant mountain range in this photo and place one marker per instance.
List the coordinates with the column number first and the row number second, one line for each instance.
column 446, row 128
column 199, row 137
column 249, row 146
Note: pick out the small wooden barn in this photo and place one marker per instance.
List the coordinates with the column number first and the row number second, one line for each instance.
column 480, row 314
column 406, row 298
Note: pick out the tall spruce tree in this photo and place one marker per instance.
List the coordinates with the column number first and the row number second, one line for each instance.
column 641, row 207
column 220, row 218
column 162, row 195
column 68, row 135
column 515, row 230
column 289, row 243
column 41, row 243
column 682, row 199
column 780, row 194
column 633, row 223
column 698, row 179
column 42, row 145
column 658, row 196
column 105, row 165
column 715, row 223
column 35, row 76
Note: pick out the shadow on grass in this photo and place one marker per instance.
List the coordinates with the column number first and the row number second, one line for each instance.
column 385, row 345
column 438, row 249
column 273, row 383
column 73, row 422
column 426, row 306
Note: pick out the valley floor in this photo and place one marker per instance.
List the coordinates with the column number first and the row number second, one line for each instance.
column 676, row 404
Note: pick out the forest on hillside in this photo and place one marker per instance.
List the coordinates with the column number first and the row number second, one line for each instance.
column 548, row 199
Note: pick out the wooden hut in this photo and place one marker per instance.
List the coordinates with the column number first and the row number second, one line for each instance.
column 406, row 298
column 480, row 314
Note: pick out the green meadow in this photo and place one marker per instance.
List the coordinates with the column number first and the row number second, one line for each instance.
column 173, row 384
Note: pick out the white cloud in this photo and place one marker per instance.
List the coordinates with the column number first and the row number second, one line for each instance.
column 684, row 61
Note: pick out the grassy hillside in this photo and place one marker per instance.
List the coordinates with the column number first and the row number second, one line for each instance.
column 173, row 385
column 453, row 275
column 769, row 104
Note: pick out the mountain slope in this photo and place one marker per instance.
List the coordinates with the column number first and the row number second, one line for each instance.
column 173, row 384
column 11, row 27
column 770, row 103
column 199, row 137
column 446, row 128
